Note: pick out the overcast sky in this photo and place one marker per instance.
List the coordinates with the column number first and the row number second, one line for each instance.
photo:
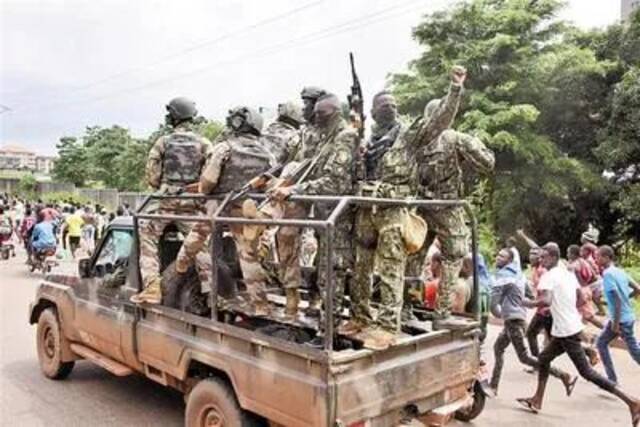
column 66, row 64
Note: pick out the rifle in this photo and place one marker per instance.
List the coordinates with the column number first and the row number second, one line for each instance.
column 296, row 175
column 356, row 100
column 257, row 182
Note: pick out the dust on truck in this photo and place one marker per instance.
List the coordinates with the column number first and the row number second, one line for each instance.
column 239, row 370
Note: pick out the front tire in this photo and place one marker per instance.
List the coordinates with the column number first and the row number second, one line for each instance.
column 49, row 344
column 212, row 403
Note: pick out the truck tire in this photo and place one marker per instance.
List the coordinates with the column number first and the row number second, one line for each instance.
column 475, row 409
column 49, row 344
column 213, row 403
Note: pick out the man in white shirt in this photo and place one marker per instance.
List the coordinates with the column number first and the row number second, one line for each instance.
column 559, row 289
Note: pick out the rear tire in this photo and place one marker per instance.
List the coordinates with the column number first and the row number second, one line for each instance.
column 5, row 255
column 49, row 344
column 475, row 409
column 213, row 403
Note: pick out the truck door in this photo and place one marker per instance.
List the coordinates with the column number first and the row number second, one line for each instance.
column 104, row 313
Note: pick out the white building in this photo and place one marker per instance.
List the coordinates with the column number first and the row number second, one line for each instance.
column 17, row 158
column 628, row 6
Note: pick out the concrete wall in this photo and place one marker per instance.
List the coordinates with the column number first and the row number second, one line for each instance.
column 106, row 197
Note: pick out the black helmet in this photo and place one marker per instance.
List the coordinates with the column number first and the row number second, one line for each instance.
column 182, row 109
column 312, row 92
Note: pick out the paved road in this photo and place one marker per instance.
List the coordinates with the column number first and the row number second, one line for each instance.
column 93, row 397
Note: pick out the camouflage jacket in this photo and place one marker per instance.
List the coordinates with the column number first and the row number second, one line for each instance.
column 155, row 160
column 281, row 139
column 441, row 164
column 399, row 164
column 307, row 144
column 334, row 171
column 233, row 162
column 381, row 140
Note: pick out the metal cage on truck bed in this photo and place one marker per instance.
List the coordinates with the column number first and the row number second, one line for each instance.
column 335, row 208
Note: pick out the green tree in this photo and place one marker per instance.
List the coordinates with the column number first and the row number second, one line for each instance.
column 27, row 186
column 71, row 165
column 530, row 96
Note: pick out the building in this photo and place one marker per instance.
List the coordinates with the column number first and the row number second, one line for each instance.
column 17, row 158
column 627, row 8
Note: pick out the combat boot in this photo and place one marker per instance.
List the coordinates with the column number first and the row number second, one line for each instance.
column 293, row 299
column 152, row 294
column 374, row 338
column 351, row 327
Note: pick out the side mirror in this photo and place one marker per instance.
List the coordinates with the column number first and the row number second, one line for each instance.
column 84, row 268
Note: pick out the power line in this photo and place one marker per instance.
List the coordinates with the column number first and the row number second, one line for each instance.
column 192, row 48
column 344, row 27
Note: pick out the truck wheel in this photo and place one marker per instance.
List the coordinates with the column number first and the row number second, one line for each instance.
column 472, row 411
column 49, row 345
column 212, row 403
column 5, row 255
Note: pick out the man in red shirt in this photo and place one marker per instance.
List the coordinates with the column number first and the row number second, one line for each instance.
column 541, row 320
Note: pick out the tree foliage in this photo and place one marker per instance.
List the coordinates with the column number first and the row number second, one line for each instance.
column 111, row 157
column 536, row 94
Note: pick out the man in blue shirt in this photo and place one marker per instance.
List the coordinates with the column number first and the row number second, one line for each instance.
column 618, row 288
column 43, row 237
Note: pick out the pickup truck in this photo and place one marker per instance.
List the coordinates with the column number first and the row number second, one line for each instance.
column 232, row 368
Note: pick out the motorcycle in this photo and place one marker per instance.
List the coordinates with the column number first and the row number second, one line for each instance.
column 40, row 261
column 7, row 248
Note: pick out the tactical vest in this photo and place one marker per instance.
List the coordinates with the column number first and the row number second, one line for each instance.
column 183, row 159
column 275, row 139
column 439, row 172
column 247, row 159
column 399, row 166
column 377, row 146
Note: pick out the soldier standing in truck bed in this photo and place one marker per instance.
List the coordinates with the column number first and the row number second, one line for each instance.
column 175, row 161
column 441, row 168
column 234, row 161
column 331, row 173
column 398, row 179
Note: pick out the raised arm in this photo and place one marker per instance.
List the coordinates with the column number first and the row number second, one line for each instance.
column 475, row 152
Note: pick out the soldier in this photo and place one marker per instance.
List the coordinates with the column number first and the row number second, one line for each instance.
column 398, row 180
column 331, row 173
column 385, row 132
column 283, row 135
column 441, row 165
column 235, row 160
column 289, row 239
column 175, row 162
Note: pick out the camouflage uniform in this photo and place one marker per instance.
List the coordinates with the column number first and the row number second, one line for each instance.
column 175, row 160
column 282, row 137
column 440, row 174
column 333, row 174
column 232, row 163
column 398, row 180
column 382, row 138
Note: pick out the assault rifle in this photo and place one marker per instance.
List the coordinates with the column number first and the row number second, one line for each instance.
column 356, row 100
column 257, row 182
column 298, row 174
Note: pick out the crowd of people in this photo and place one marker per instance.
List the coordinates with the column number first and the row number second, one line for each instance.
column 567, row 294
column 53, row 228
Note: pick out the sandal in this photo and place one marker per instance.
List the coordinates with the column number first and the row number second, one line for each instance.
column 527, row 404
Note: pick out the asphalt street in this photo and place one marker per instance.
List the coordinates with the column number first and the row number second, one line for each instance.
column 93, row 397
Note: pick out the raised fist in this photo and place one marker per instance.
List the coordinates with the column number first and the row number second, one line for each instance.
column 458, row 74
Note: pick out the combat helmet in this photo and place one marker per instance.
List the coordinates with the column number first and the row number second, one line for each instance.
column 312, row 92
column 290, row 112
column 244, row 118
column 181, row 109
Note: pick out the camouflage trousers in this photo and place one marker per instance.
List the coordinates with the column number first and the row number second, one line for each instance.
column 151, row 232
column 380, row 262
column 286, row 241
column 247, row 240
column 451, row 229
